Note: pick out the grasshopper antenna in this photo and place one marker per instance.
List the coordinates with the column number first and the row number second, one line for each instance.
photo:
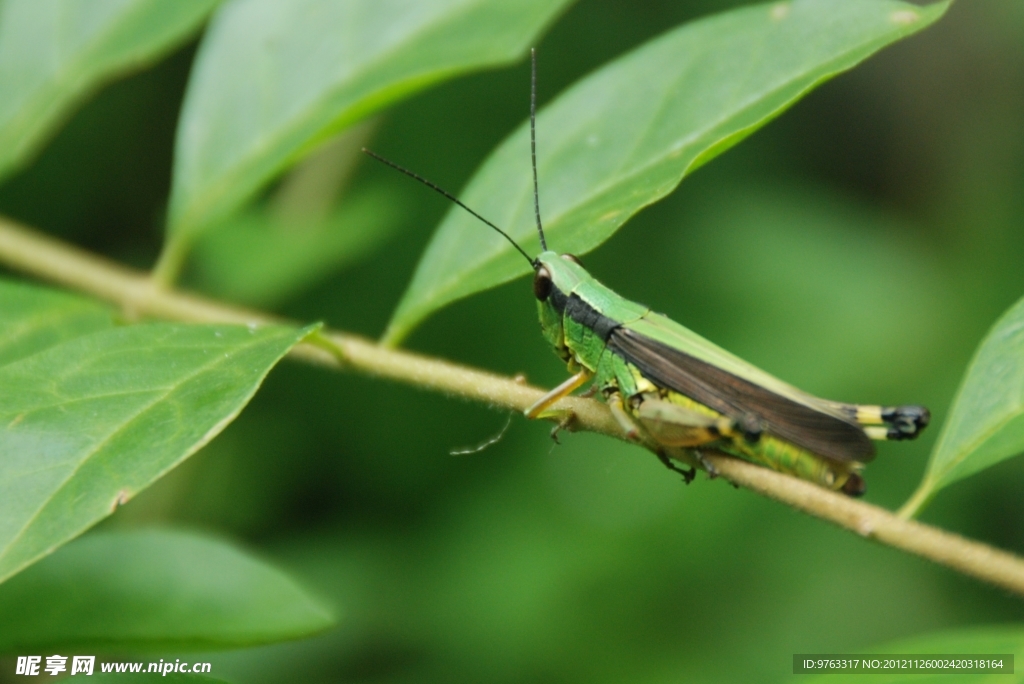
column 453, row 198
column 533, row 144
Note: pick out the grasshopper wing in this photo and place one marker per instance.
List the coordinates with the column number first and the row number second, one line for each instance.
column 792, row 418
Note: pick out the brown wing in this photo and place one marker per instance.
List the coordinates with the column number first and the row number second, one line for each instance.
column 730, row 395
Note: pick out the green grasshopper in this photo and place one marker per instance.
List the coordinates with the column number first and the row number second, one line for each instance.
column 666, row 385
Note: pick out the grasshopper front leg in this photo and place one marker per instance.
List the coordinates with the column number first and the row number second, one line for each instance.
column 541, row 407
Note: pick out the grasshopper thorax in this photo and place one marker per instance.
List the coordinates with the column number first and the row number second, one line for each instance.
column 556, row 277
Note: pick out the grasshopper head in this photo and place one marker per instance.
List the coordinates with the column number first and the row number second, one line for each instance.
column 555, row 278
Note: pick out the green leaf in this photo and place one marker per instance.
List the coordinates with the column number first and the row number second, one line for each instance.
column 89, row 422
column 986, row 424
column 55, row 52
column 151, row 590
column 33, row 319
column 626, row 135
column 273, row 78
column 991, row 640
column 260, row 258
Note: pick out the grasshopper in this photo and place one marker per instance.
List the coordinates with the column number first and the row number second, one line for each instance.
column 666, row 385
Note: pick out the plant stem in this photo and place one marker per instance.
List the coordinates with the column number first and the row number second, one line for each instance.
column 969, row 557
column 134, row 291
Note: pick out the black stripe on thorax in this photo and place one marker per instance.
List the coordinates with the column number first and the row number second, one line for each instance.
column 558, row 299
column 578, row 310
column 589, row 317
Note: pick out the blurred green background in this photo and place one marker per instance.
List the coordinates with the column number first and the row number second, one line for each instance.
column 858, row 247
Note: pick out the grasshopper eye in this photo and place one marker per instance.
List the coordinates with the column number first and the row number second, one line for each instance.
column 542, row 284
column 573, row 258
